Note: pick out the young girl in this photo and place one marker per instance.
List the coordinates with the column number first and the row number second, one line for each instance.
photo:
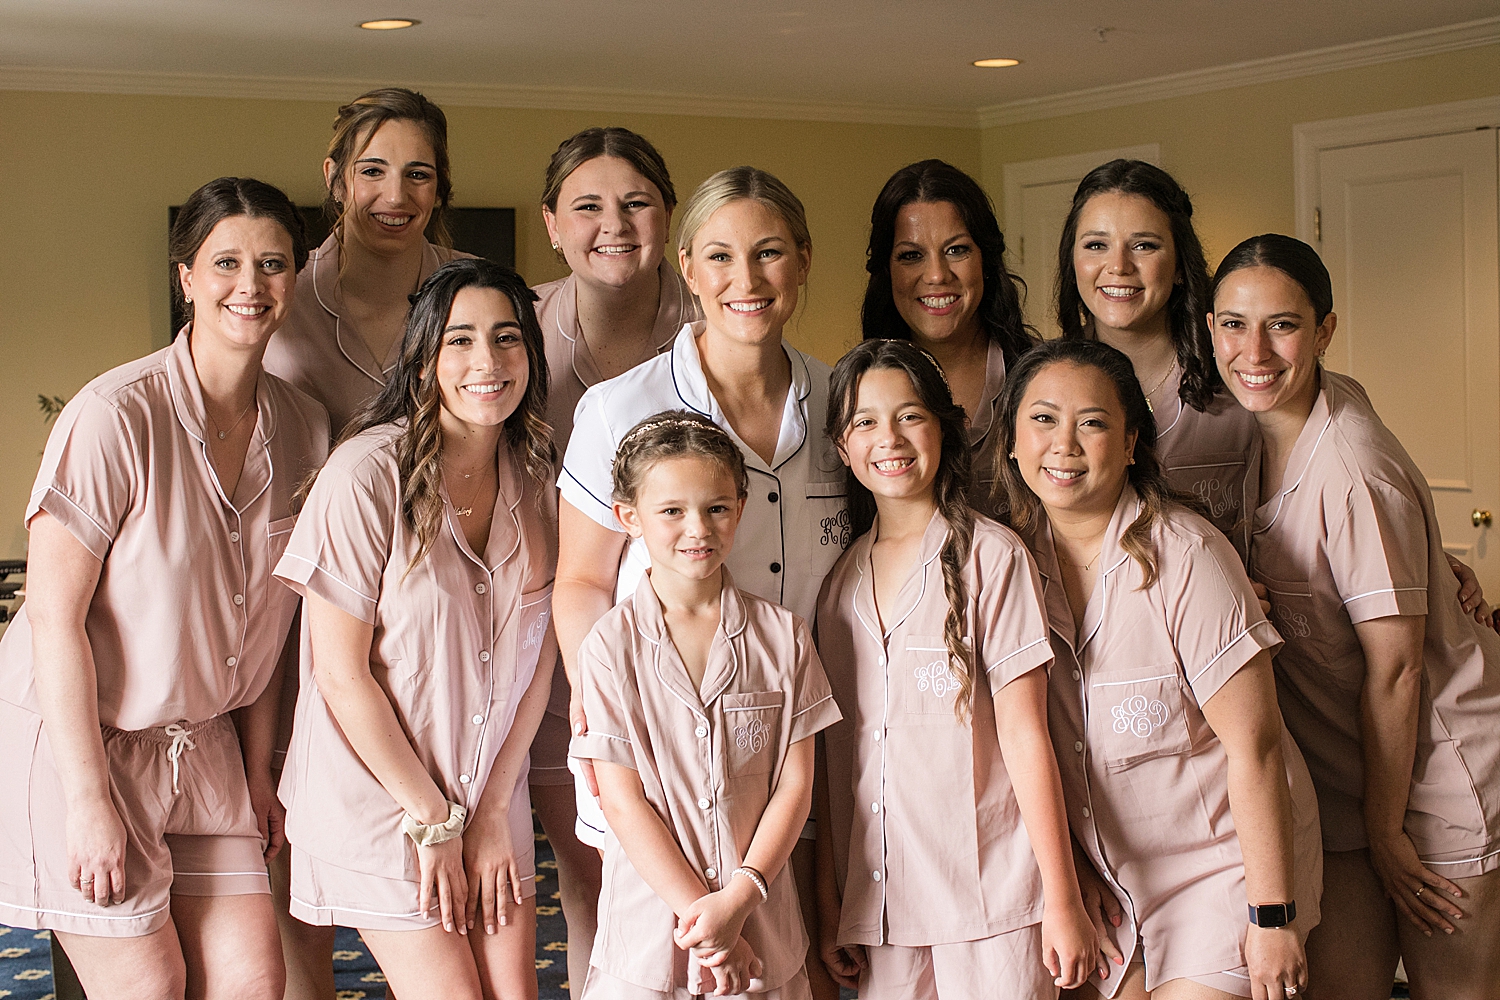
column 933, row 630
column 702, row 702
column 425, row 555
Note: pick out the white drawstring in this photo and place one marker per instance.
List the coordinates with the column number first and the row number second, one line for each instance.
column 181, row 741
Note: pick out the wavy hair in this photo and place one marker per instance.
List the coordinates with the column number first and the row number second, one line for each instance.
column 412, row 398
column 950, row 487
column 999, row 309
column 1157, row 495
column 1191, row 301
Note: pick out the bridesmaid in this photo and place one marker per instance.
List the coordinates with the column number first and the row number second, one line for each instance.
column 388, row 180
column 937, row 277
column 608, row 205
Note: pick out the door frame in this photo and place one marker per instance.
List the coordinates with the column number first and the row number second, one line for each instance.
column 1311, row 138
column 1025, row 173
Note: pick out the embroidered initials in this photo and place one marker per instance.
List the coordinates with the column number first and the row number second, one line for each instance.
column 1295, row 621
column 1137, row 715
column 752, row 736
column 535, row 632
column 936, row 677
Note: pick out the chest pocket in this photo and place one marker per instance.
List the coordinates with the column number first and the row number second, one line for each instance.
column 1137, row 714
column 1217, row 479
column 924, row 676
column 828, row 518
column 752, row 728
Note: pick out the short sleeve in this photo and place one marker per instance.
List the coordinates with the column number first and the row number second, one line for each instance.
column 1011, row 627
column 1212, row 612
column 587, row 479
column 89, row 474
column 341, row 544
column 604, row 699
column 813, row 707
column 1377, row 552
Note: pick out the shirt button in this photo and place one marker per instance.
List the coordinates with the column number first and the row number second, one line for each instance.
column 776, row 567
column 875, row 876
column 1085, row 812
column 480, row 588
column 239, row 599
column 701, row 732
column 463, row 779
column 874, row 807
column 478, row 720
column 877, row 736
column 234, row 536
column 1077, row 675
column 774, row 497
column 230, row 661
column 880, row 662
column 484, row 656
column 703, row 803
column 1078, row 745
column 710, row 873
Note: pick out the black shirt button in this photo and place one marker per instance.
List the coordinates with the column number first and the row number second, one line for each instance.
column 776, row 567
column 774, row 497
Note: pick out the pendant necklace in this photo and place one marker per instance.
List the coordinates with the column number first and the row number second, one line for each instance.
column 466, row 511
column 1161, row 382
column 224, row 434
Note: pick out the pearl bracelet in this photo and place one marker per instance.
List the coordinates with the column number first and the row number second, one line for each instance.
column 432, row 834
column 756, row 879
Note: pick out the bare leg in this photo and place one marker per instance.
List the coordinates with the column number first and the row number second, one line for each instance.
column 230, row 946
column 506, row 959
column 430, row 964
column 307, row 950
column 822, row 984
column 580, row 873
column 1352, row 953
column 140, row 968
column 1134, row 988
column 1465, row 963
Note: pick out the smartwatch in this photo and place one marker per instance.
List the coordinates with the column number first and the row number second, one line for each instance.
column 1273, row 914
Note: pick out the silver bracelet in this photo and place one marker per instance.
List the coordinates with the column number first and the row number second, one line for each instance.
column 756, row 879
column 432, row 834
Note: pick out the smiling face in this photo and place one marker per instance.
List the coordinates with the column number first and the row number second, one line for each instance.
column 937, row 275
column 241, row 281
column 1125, row 262
column 482, row 368
column 893, row 444
column 389, row 191
column 687, row 510
column 1267, row 340
column 611, row 222
column 1071, row 445
column 745, row 267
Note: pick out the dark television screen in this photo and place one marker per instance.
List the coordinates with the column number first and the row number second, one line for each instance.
column 483, row 232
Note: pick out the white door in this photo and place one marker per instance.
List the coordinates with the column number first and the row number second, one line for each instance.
column 1409, row 234
column 1038, row 194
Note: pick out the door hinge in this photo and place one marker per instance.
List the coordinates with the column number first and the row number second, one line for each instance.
column 1318, row 225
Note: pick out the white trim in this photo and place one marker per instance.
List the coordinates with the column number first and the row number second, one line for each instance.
column 92, row 81
column 80, row 915
column 1136, row 680
column 1388, row 590
column 1309, row 139
column 1464, row 861
column 1029, row 173
column 1432, row 41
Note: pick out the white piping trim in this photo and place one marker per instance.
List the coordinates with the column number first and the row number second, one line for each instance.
column 1220, row 654
column 324, row 572
column 1388, row 590
column 1465, row 861
column 1138, row 680
column 1018, row 652
column 202, row 874
column 350, row 909
column 1281, row 497
column 83, row 916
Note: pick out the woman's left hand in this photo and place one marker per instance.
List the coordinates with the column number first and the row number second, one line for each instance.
column 1276, row 961
column 1471, row 594
column 493, row 869
column 1417, row 892
column 270, row 815
column 711, row 924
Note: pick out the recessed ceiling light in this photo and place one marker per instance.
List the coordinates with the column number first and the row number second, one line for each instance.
column 388, row 24
column 996, row 63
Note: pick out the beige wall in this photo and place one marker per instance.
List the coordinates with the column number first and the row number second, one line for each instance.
column 1232, row 149
column 88, row 178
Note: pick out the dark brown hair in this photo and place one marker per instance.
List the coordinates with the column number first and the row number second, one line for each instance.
column 1187, row 309
column 674, row 434
column 1292, row 258
column 228, row 198
column 356, row 125
column 999, row 309
column 1145, row 474
column 950, row 487
column 621, row 143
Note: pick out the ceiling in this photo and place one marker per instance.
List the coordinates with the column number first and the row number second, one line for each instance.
column 909, row 58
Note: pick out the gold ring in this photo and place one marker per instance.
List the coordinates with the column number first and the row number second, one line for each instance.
column 1290, row 991
column 1420, row 890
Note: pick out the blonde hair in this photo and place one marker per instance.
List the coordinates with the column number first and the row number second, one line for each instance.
column 674, row 434
column 735, row 184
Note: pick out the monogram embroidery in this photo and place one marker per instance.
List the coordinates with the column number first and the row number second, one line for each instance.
column 836, row 530
column 1216, row 496
column 936, row 677
column 1295, row 622
column 535, row 631
column 1137, row 715
column 752, row 736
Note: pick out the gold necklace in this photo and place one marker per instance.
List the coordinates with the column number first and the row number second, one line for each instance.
column 1084, row 566
column 1150, row 392
column 478, row 487
column 224, row 434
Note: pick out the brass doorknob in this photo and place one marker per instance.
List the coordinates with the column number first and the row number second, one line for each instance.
column 1481, row 518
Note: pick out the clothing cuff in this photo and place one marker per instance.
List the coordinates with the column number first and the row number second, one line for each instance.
column 814, row 719
column 599, row 508
column 307, row 577
column 79, row 522
column 1386, row 604
column 1206, row 679
column 1019, row 663
column 603, row 746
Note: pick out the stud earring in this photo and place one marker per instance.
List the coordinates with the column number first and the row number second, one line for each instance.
column 189, row 300
column 557, row 248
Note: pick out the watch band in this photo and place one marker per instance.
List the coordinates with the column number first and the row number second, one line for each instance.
column 1273, row 914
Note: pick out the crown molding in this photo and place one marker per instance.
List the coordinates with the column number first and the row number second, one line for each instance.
column 91, row 81
column 1450, row 38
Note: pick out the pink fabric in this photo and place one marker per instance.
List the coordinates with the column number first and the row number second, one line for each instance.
column 929, row 847
column 981, row 422
column 1145, row 779
column 1353, row 537
column 1205, row 453
column 709, row 759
